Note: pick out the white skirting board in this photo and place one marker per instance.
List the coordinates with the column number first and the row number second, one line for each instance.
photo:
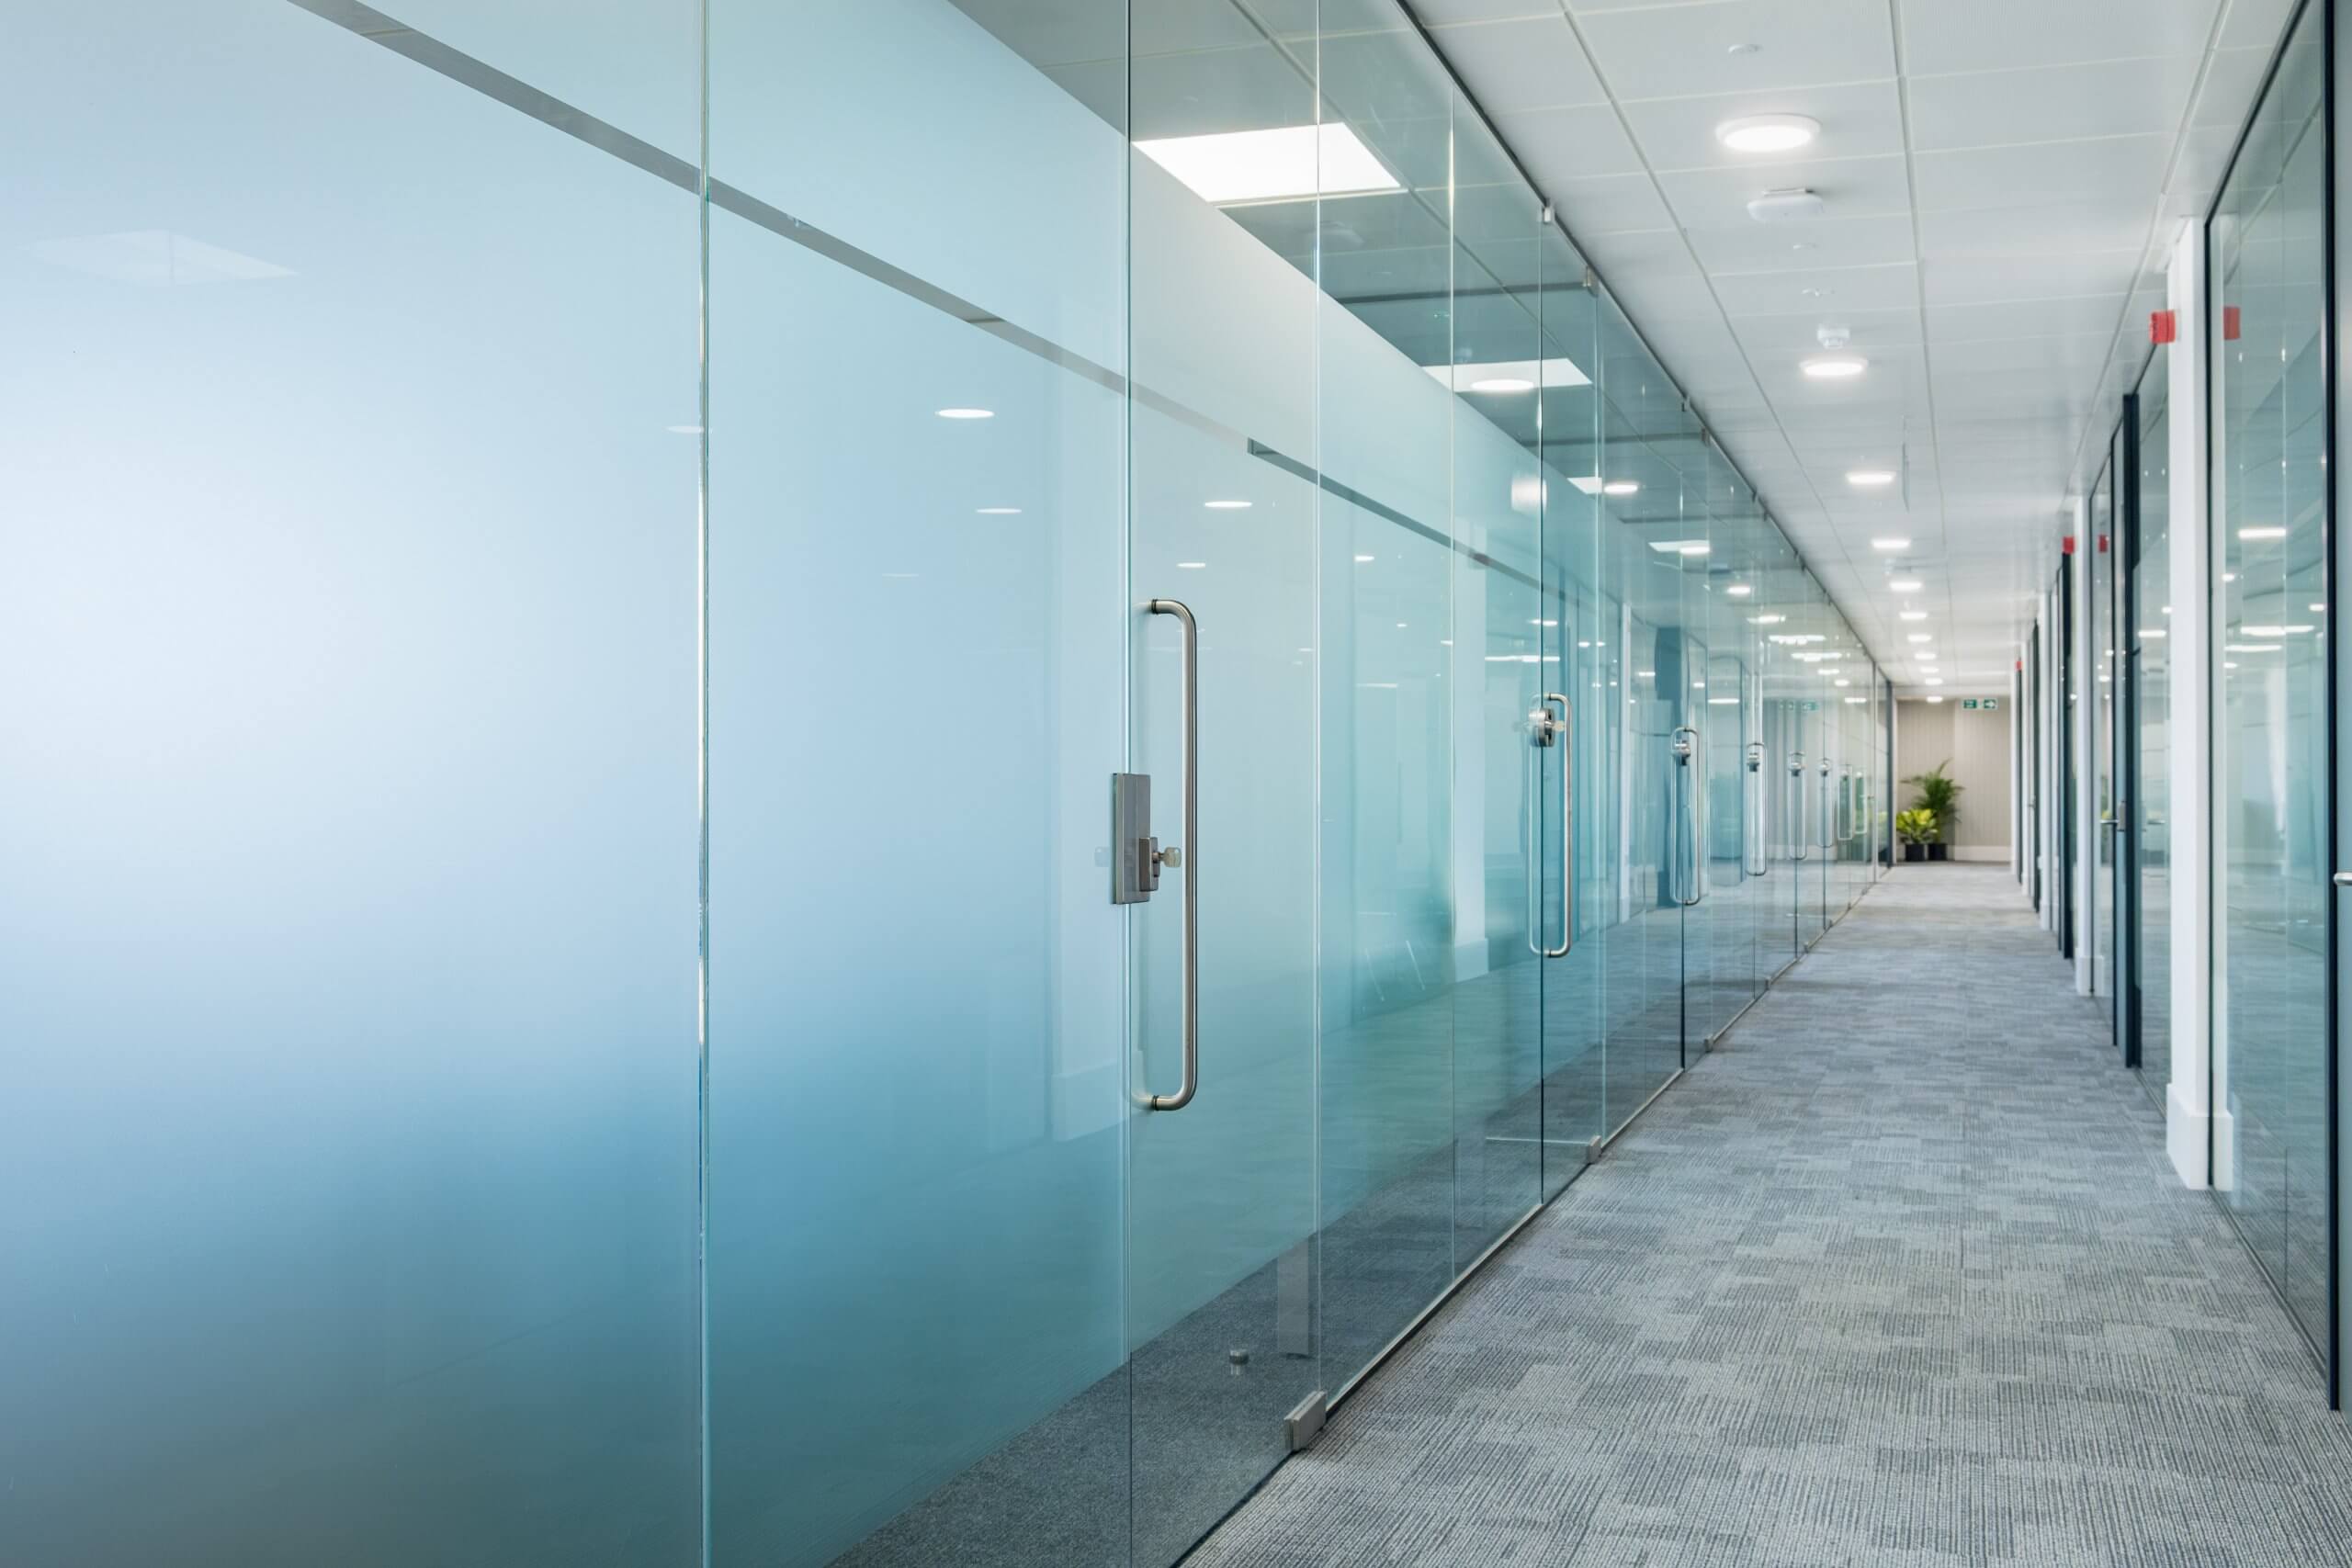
column 2188, row 1134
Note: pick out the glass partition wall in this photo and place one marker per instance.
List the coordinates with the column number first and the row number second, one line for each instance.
column 1001, row 833
column 2149, row 685
column 2272, row 746
column 2101, row 755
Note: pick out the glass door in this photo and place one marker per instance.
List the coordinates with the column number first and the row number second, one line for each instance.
column 2150, row 684
column 1719, row 713
column 919, row 1114
column 1817, row 740
column 2101, row 693
column 1263, row 611
column 2273, row 979
column 2066, row 774
column 1574, row 835
column 1647, row 531
column 2124, row 746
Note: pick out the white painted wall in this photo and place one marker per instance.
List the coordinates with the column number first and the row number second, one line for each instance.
column 1975, row 745
column 2189, row 1098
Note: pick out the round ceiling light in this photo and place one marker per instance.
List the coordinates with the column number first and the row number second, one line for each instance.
column 1834, row 366
column 1767, row 132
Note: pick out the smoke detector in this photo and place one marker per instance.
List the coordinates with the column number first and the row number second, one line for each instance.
column 1793, row 206
column 1834, row 337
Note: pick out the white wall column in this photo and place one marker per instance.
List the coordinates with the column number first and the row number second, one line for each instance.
column 2189, row 1110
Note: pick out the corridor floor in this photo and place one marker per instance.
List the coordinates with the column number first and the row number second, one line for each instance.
column 1898, row 1275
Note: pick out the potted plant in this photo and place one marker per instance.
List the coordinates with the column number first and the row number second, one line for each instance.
column 1939, row 796
column 1915, row 827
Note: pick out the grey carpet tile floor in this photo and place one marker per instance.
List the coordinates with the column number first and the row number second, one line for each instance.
column 1898, row 1277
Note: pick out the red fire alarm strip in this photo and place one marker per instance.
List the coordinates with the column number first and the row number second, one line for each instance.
column 2163, row 326
column 2102, row 543
column 2066, row 545
column 2230, row 322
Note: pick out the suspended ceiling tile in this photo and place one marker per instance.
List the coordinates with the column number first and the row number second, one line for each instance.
column 1749, row 246
column 1978, row 280
column 1884, row 287
column 1993, row 35
column 2052, row 103
column 2003, row 231
column 1564, row 144
column 2120, row 168
column 2070, row 356
column 1680, row 50
column 1527, row 64
column 2231, row 80
column 2255, row 24
column 1615, row 204
column 1437, row 13
column 1957, row 324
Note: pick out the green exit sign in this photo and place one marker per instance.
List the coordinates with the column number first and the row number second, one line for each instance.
column 1813, row 708
column 1989, row 705
column 1970, row 703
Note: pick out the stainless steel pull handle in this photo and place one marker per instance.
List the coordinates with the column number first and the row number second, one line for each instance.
column 1799, row 849
column 1691, row 761
column 1751, row 805
column 1548, row 730
column 1191, row 850
column 2342, row 879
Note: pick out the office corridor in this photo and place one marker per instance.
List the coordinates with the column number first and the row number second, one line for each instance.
column 1898, row 1276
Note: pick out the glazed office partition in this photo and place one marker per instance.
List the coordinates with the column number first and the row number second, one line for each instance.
column 2151, row 685
column 783, row 799
column 2271, row 511
column 348, row 1097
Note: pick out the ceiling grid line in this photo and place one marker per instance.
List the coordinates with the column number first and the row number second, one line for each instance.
column 1616, row 108
column 1995, row 179
column 1919, row 292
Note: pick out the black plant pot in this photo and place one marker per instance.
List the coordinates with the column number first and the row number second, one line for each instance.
column 1939, row 852
column 1915, row 851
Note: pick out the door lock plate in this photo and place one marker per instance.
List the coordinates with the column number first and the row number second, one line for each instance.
column 1135, row 855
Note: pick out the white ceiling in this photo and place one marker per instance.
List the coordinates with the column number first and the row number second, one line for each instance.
column 2002, row 179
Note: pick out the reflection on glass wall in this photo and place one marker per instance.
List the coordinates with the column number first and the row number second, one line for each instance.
column 2271, row 726
column 2149, row 638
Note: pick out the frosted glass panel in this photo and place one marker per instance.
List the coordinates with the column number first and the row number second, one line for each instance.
column 918, row 1065
column 347, row 955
